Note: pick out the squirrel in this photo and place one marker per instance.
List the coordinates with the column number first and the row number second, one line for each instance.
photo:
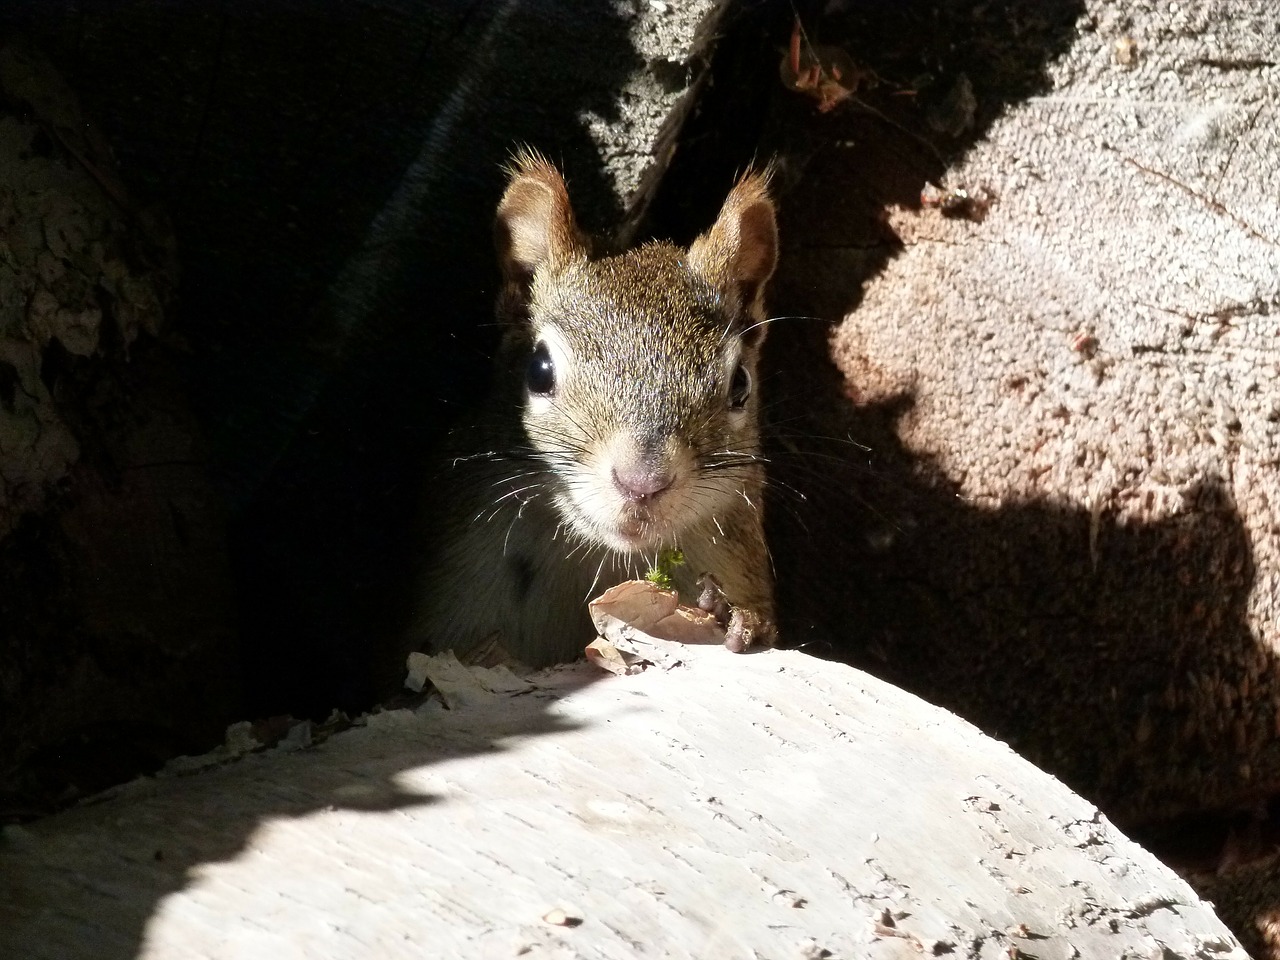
column 624, row 424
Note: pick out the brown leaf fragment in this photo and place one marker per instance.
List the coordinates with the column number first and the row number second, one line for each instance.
column 882, row 929
column 826, row 73
column 637, row 603
column 957, row 203
column 640, row 622
column 606, row 656
column 645, row 623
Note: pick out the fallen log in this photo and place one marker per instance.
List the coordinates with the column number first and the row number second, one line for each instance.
column 765, row 805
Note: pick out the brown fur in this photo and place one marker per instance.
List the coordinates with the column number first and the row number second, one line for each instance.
column 548, row 497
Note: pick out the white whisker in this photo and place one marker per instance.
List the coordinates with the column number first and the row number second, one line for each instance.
column 591, row 591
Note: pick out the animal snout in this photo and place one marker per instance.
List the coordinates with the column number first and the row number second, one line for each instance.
column 641, row 484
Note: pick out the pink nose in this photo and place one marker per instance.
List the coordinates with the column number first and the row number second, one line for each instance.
column 639, row 485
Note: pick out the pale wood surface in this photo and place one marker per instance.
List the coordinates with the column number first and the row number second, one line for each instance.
column 734, row 806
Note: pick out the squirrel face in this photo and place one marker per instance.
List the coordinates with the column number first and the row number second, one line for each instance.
column 640, row 369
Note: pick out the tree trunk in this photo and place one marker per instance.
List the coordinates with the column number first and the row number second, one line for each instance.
column 116, row 647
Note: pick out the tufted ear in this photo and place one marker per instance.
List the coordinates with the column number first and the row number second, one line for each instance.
column 740, row 250
column 535, row 224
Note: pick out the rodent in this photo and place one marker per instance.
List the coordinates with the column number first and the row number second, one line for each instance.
column 624, row 422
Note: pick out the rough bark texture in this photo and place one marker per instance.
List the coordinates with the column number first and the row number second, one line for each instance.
column 66, row 280
column 114, row 589
column 1065, row 525
column 733, row 806
column 1116, row 359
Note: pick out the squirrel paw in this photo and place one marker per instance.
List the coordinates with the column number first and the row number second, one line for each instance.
column 712, row 599
column 745, row 629
column 749, row 631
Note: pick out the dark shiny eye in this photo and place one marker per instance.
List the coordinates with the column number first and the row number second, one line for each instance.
column 540, row 378
column 739, row 388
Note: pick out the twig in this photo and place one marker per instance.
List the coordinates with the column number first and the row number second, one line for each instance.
column 1210, row 202
column 1231, row 155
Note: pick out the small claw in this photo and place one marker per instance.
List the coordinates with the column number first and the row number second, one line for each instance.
column 712, row 599
column 748, row 630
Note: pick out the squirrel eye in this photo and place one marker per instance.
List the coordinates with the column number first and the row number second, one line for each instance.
column 540, row 378
column 739, row 388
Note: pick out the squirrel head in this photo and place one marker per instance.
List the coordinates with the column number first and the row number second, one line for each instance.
column 639, row 369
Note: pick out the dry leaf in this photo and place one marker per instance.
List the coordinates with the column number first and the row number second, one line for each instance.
column 458, row 684
column 641, row 622
column 826, row 73
column 608, row 657
column 657, row 614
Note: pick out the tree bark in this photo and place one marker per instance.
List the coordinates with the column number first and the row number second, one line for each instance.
column 114, row 589
column 1058, row 513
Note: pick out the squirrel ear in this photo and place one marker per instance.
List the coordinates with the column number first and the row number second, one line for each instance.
column 739, row 252
column 535, row 224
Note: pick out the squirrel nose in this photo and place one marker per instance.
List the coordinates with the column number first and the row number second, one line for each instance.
column 641, row 484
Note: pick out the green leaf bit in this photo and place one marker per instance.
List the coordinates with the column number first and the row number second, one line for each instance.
column 660, row 573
